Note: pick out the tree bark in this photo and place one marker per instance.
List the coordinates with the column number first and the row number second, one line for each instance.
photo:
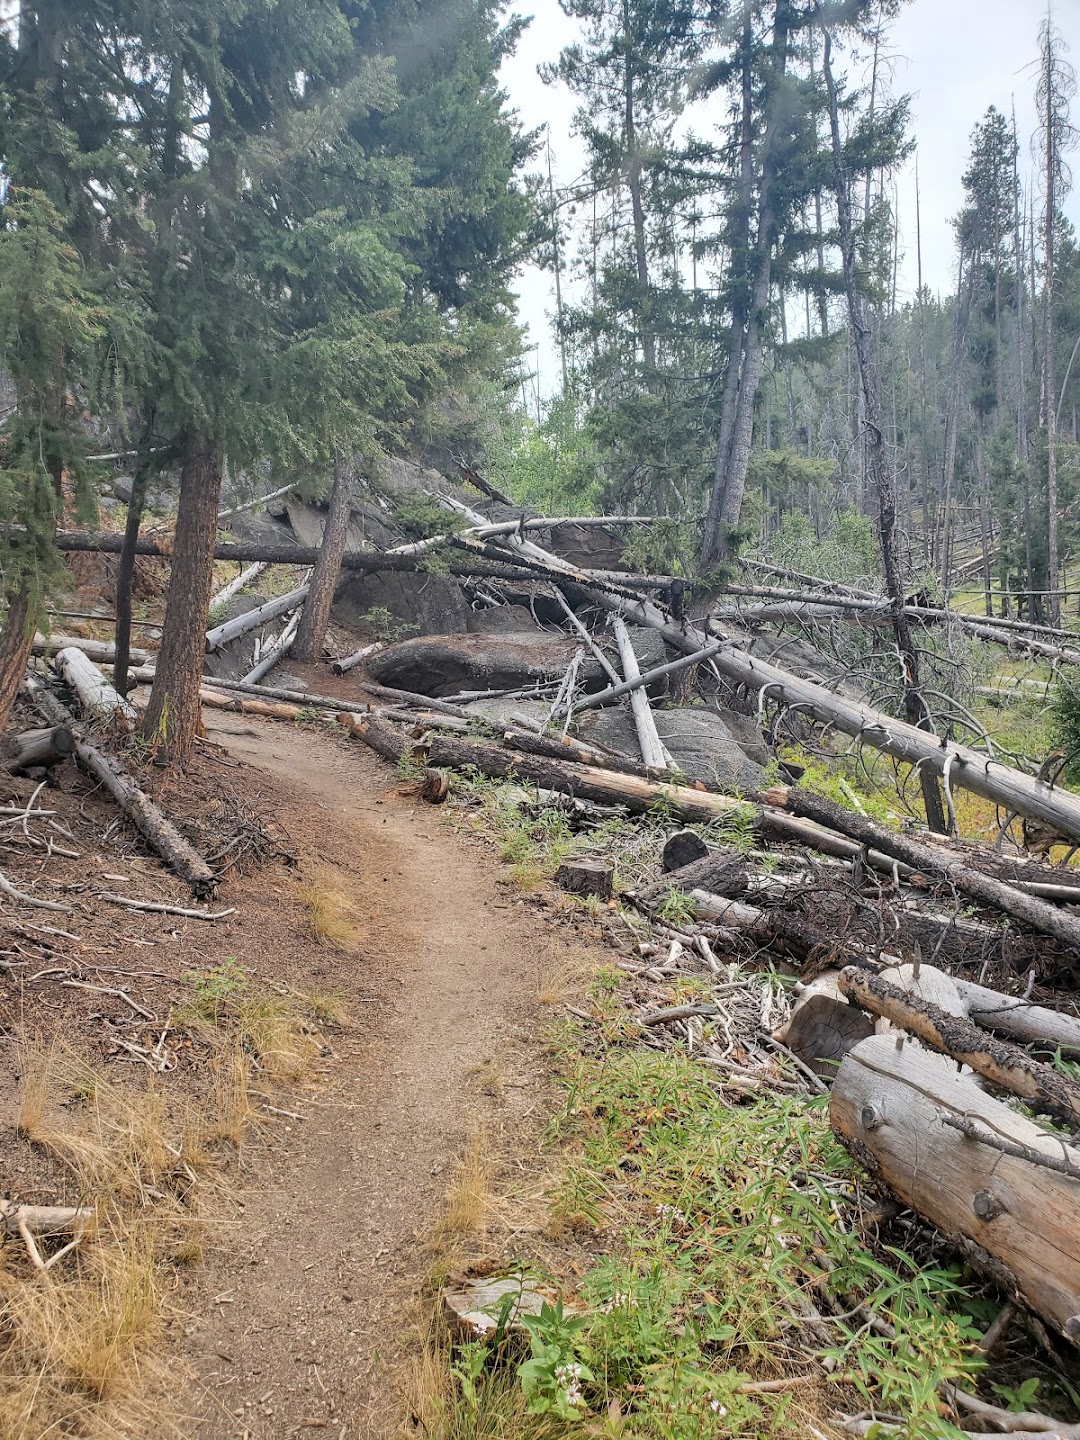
column 40, row 747
column 173, row 716
column 16, row 640
column 308, row 644
column 999, row 1061
column 915, row 706
column 125, row 574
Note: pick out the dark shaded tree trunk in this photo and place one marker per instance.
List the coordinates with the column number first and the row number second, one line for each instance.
column 16, row 638
column 316, row 614
column 173, row 716
column 915, row 707
column 125, row 574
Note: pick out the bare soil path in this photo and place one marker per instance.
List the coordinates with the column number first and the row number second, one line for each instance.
column 316, row 1284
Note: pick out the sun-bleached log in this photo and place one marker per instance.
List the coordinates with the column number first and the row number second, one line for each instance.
column 939, row 1142
column 238, row 583
column 97, row 650
column 98, row 700
column 251, row 620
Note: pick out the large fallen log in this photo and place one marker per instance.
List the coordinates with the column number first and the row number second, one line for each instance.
column 230, row 630
column 938, row 862
column 96, row 650
column 98, row 700
column 999, row 1061
column 957, row 764
column 234, row 586
column 588, row 783
column 652, row 750
column 1011, row 1015
column 939, row 1142
column 158, row 830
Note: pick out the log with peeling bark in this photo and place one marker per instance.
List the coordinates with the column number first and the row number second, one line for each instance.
column 248, row 705
column 722, row 872
column 98, row 700
column 779, row 930
column 157, row 829
column 40, row 747
column 999, row 1061
column 1018, row 1220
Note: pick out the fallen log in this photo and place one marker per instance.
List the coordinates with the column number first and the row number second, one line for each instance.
column 96, row 650
column 243, row 705
column 958, row 764
column 347, row 662
column 652, row 750
column 721, row 872
column 159, row 831
column 936, row 861
column 40, row 747
column 238, row 583
column 775, row 929
column 1009, row 1014
column 589, row 783
column 559, row 747
column 1014, row 1217
column 997, row 1060
column 275, row 652
column 232, row 629
column 98, row 700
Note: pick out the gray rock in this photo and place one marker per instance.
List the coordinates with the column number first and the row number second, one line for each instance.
column 446, row 664
column 366, row 530
column 697, row 739
column 501, row 712
column 590, row 547
column 421, row 602
column 501, row 620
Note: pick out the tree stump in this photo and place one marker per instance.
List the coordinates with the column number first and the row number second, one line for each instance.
column 682, row 848
column 436, row 786
column 585, row 877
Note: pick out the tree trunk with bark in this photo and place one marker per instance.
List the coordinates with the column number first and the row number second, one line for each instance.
column 915, row 706
column 125, row 574
column 173, row 716
column 308, row 644
column 16, row 640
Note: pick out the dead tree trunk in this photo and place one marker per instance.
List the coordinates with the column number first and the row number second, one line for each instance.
column 915, row 706
column 939, row 1143
column 125, row 572
column 173, row 716
column 307, row 647
column 40, row 747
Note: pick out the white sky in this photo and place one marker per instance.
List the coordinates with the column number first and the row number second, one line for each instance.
column 953, row 57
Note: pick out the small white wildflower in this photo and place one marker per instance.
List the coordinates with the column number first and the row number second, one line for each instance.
column 717, row 1408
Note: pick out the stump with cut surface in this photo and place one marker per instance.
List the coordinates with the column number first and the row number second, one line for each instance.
column 40, row 747
column 682, row 848
column 475, row 1307
column 585, row 877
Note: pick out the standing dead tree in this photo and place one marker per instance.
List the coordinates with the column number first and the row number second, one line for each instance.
column 915, row 706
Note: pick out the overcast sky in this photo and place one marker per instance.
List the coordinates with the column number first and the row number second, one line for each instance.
column 953, row 57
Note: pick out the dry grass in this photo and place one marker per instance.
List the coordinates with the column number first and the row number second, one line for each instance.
column 331, row 913
column 563, row 975
column 78, row 1345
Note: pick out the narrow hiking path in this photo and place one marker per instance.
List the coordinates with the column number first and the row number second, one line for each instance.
column 315, row 1286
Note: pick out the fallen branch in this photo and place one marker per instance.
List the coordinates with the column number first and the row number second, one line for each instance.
column 161, row 833
column 30, row 1221
column 6, row 888
column 159, row 908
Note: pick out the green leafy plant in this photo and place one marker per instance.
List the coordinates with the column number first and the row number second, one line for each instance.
column 676, row 908
column 552, row 1377
column 385, row 625
column 214, row 988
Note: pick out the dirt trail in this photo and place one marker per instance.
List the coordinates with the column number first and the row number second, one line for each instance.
column 319, row 1276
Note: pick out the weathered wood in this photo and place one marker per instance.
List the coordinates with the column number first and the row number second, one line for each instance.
column 997, row 1060
column 585, row 877
column 96, row 650
column 239, row 625
column 821, row 1031
column 559, row 747
column 938, row 861
column 40, row 747
column 435, row 787
column 242, row 704
column 967, row 768
column 1017, row 1220
column 348, row 662
column 275, row 652
column 159, row 831
column 683, row 848
column 1033, row 1024
column 721, row 872
column 652, row 751
column 778, row 930
column 98, row 700
column 475, row 1307
column 238, row 583
column 589, row 783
